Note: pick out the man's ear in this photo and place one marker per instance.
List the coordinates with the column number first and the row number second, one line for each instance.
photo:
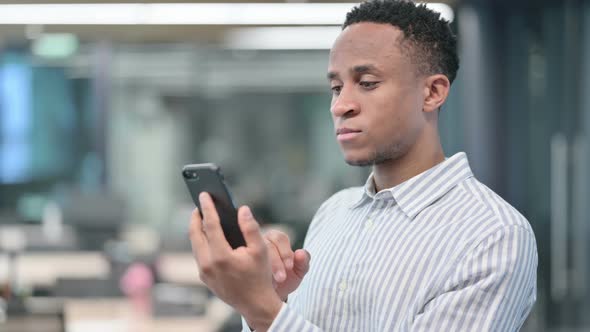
column 436, row 91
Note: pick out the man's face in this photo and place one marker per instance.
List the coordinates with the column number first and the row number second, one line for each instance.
column 377, row 97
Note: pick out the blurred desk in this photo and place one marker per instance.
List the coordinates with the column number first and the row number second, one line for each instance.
column 43, row 269
column 111, row 314
column 32, row 324
column 179, row 268
column 36, row 237
column 117, row 315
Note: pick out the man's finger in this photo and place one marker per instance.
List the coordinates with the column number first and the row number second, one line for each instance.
column 281, row 241
column 212, row 226
column 301, row 262
column 199, row 243
column 250, row 229
column 278, row 268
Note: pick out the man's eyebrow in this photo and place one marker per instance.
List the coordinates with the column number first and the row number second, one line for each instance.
column 361, row 69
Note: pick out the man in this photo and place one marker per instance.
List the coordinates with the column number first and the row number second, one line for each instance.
column 423, row 246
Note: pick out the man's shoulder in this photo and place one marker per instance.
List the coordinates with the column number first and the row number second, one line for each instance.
column 347, row 196
column 487, row 218
column 504, row 214
column 338, row 202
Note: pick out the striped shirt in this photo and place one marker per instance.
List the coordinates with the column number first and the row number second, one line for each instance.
column 438, row 252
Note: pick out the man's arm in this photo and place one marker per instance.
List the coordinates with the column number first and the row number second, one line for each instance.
column 287, row 320
column 492, row 289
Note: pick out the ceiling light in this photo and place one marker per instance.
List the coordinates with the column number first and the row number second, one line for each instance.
column 55, row 45
column 184, row 13
column 282, row 38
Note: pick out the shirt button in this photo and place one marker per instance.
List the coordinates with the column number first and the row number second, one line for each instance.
column 369, row 224
column 342, row 286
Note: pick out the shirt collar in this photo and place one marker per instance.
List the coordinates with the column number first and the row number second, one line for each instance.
column 420, row 191
column 367, row 194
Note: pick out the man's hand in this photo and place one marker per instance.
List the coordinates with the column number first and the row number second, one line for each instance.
column 288, row 267
column 241, row 277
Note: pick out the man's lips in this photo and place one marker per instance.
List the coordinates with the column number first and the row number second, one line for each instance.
column 345, row 130
column 347, row 134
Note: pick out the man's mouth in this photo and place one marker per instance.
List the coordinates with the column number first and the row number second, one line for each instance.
column 347, row 134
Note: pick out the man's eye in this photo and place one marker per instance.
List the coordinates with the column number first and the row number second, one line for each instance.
column 366, row 84
column 336, row 90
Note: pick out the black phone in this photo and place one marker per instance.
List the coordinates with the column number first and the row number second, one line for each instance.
column 208, row 178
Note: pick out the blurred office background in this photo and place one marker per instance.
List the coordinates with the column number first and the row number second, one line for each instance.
column 100, row 107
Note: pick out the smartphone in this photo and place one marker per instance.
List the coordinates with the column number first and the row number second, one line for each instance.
column 208, row 178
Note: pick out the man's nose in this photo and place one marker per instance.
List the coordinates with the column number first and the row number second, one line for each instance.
column 345, row 104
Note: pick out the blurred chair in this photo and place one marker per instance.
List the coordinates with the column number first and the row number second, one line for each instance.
column 87, row 288
column 170, row 300
column 96, row 217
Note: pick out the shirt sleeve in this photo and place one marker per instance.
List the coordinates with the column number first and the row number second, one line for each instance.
column 493, row 288
column 287, row 320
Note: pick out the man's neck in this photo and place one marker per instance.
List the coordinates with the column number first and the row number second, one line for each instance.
column 391, row 173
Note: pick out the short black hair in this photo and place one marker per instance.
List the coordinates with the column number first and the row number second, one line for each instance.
column 432, row 44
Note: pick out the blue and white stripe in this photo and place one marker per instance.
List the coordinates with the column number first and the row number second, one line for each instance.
column 439, row 252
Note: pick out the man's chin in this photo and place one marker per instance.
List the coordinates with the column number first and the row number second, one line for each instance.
column 370, row 160
column 359, row 162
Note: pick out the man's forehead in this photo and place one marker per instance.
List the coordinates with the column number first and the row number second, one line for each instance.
column 364, row 55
